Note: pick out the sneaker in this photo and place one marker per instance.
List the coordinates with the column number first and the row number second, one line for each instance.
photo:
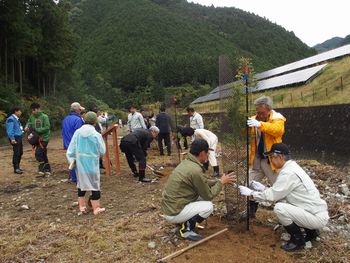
column 145, row 180
column 40, row 174
column 21, row 169
column 47, row 173
column 18, row 171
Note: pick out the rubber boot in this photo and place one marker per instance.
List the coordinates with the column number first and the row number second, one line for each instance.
column 96, row 207
column 187, row 230
column 142, row 177
column 216, row 171
column 134, row 173
column 296, row 241
column 311, row 234
column 82, row 205
column 253, row 207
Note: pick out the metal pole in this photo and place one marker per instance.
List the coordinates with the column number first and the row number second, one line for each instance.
column 247, row 139
column 177, row 140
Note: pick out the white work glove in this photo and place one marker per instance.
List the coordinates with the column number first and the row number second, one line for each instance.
column 258, row 186
column 245, row 190
column 253, row 123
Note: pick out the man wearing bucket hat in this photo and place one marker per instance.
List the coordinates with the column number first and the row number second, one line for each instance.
column 302, row 206
column 70, row 124
column 85, row 149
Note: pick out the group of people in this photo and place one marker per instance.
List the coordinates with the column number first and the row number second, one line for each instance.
column 38, row 128
column 188, row 193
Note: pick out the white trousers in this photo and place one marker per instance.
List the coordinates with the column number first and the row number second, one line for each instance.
column 202, row 208
column 260, row 170
column 287, row 214
column 212, row 154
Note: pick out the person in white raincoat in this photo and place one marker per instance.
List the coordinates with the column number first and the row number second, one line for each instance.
column 212, row 140
column 85, row 149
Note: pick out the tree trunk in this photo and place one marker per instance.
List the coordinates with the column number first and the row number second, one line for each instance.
column 54, row 83
column 38, row 77
column 20, row 76
column 44, row 86
column 13, row 70
column 6, row 62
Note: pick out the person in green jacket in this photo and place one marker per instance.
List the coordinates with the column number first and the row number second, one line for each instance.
column 39, row 125
column 186, row 198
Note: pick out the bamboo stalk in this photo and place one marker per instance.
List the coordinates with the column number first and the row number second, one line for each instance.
column 179, row 252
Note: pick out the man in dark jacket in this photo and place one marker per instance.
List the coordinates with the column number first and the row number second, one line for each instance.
column 39, row 124
column 70, row 124
column 163, row 122
column 135, row 146
column 14, row 131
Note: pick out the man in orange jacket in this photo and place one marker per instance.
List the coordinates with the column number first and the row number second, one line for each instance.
column 266, row 129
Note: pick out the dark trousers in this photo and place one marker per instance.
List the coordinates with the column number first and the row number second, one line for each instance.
column 166, row 138
column 95, row 195
column 185, row 143
column 41, row 157
column 17, row 153
column 133, row 151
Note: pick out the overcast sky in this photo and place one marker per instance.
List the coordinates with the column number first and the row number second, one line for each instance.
column 312, row 21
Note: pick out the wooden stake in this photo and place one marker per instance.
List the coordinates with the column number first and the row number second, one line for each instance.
column 177, row 253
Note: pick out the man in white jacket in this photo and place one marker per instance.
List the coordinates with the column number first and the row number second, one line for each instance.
column 212, row 140
column 302, row 205
column 196, row 120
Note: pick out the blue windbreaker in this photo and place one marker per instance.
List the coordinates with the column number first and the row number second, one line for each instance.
column 70, row 124
column 13, row 127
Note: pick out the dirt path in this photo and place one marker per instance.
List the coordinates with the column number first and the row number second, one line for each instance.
column 52, row 231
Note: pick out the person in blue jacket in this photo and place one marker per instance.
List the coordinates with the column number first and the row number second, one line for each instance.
column 15, row 132
column 70, row 124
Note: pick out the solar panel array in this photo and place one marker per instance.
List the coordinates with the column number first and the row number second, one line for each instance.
column 293, row 78
column 282, row 76
column 325, row 56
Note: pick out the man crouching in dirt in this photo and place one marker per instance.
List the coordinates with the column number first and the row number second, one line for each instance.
column 303, row 206
column 187, row 195
column 135, row 146
column 85, row 149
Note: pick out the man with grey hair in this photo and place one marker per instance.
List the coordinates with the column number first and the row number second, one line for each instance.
column 302, row 206
column 135, row 146
column 266, row 128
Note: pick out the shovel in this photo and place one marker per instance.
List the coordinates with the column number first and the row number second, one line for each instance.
column 155, row 171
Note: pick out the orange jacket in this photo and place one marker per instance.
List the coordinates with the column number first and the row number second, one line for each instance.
column 273, row 130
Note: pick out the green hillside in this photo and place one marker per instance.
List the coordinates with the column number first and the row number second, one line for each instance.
column 332, row 43
column 126, row 44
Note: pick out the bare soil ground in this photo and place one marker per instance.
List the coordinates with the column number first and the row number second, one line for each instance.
column 132, row 229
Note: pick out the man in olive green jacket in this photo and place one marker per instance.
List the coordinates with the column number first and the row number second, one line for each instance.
column 187, row 195
column 39, row 125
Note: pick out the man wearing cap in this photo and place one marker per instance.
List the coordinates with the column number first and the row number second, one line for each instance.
column 135, row 146
column 187, row 195
column 70, row 124
column 135, row 120
column 302, row 205
column 85, row 150
column 266, row 128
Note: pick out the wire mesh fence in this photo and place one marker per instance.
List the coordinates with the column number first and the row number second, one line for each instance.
column 233, row 140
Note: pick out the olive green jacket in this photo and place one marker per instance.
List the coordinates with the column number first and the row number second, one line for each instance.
column 185, row 185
